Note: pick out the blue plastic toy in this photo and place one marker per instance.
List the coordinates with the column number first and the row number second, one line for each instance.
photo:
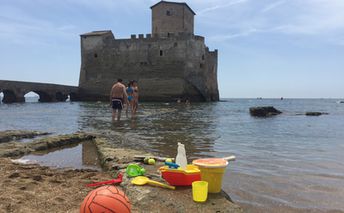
column 172, row 165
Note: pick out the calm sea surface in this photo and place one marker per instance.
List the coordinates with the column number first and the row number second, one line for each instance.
column 285, row 163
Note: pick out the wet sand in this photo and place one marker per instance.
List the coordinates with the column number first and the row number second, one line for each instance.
column 34, row 188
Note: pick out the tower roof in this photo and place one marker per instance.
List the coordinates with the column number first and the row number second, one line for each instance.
column 97, row 33
column 170, row 2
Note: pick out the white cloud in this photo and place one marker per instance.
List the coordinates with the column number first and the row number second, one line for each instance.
column 233, row 35
column 233, row 18
column 19, row 27
column 272, row 6
column 317, row 19
column 221, row 5
column 110, row 5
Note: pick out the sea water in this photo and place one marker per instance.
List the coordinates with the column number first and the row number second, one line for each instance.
column 289, row 162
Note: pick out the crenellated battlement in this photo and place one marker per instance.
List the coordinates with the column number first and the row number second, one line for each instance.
column 150, row 37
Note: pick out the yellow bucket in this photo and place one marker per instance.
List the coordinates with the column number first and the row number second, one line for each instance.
column 199, row 191
column 212, row 171
column 214, row 178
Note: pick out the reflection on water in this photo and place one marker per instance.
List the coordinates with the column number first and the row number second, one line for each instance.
column 157, row 127
column 288, row 163
column 79, row 156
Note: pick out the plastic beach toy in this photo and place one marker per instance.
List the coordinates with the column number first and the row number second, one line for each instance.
column 113, row 181
column 181, row 156
column 200, row 191
column 134, row 170
column 212, row 171
column 179, row 176
column 141, row 180
column 151, row 161
column 172, row 165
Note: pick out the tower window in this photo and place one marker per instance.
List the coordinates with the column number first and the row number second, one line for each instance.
column 95, row 55
column 175, row 44
column 168, row 13
column 161, row 53
column 202, row 57
column 201, row 65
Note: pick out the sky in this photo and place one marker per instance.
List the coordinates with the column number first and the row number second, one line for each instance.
column 267, row 48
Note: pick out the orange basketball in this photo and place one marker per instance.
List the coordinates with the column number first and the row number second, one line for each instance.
column 105, row 199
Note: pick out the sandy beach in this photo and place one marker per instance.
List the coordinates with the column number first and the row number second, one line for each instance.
column 36, row 188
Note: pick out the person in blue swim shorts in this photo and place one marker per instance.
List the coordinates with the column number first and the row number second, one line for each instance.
column 118, row 97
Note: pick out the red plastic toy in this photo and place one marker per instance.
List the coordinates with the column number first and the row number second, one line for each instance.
column 181, row 177
column 113, row 181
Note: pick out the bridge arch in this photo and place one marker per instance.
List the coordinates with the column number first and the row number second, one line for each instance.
column 31, row 96
column 10, row 96
column 59, row 96
column 43, row 96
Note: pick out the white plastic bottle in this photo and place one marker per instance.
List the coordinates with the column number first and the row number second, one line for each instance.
column 181, row 156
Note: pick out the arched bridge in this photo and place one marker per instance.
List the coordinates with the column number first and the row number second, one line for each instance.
column 14, row 91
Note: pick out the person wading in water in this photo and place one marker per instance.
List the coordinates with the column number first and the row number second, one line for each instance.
column 130, row 92
column 136, row 97
column 118, row 95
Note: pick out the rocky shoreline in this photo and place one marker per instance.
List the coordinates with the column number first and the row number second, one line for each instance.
column 35, row 188
column 12, row 135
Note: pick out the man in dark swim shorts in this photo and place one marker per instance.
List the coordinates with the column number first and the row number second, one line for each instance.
column 117, row 103
column 118, row 94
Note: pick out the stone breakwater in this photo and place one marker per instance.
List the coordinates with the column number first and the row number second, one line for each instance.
column 18, row 149
column 29, row 187
column 12, row 135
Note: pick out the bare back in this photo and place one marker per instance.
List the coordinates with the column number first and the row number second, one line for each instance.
column 118, row 91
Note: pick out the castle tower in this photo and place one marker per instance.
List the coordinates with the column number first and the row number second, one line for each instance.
column 172, row 63
column 172, row 17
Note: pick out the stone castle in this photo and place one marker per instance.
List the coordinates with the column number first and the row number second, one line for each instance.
column 169, row 63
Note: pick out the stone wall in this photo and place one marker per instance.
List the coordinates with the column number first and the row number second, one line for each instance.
column 172, row 18
column 166, row 68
